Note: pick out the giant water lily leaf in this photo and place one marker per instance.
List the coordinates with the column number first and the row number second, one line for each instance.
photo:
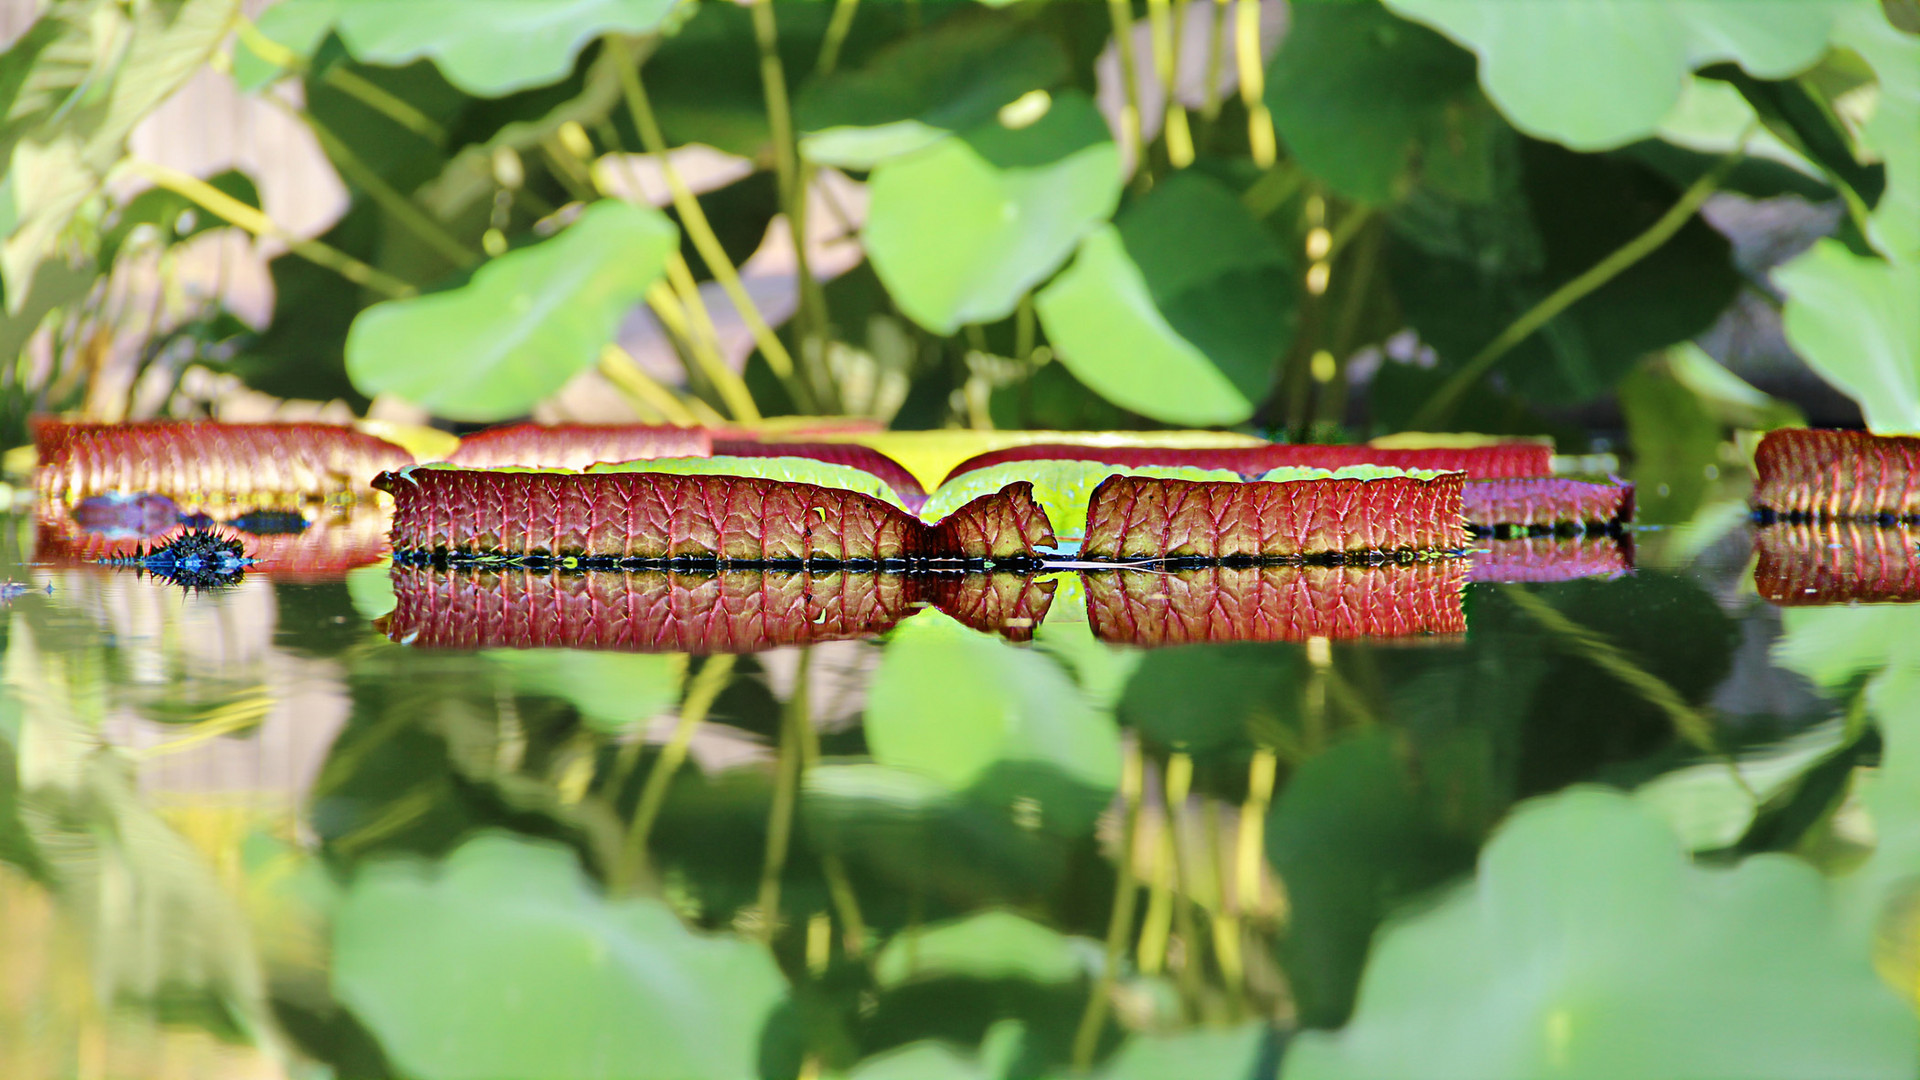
column 1355, row 91
column 1597, row 74
column 489, row 48
column 504, row 961
column 1855, row 320
column 927, row 86
column 960, row 230
column 526, row 323
column 1588, row 945
column 1180, row 312
column 929, row 711
column 1063, row 488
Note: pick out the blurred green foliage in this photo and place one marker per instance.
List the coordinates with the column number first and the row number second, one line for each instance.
column 1454, row 168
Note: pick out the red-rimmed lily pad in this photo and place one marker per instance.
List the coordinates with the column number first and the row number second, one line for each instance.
column 1547, row 501
column 1837, row 474
column 1493, row 461
column 657, row 515
column 575, row 446
column 195, row 461
column 1135, row 517
column 1837, row 562
column 1278, row 603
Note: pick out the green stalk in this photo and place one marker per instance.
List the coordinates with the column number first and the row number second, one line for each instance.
column 234, row 212
column 837, row 28
column 701, row 692
column 1440, row 406
column 402, row 209
column 793, row 182
column 1120, row 922
column 345, row 81
column 699, row 230
column 1120, row 13
column 795, row 722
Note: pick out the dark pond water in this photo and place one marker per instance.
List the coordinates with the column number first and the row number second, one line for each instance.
column 1611, row 807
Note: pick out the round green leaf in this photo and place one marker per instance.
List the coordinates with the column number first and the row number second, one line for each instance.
column 526, row 323
column 930, row 711
column 986, row 945
column 1354, row 91
column 960, row 230
column 1857, row 321
column 615, row 692
column 1180, row 311
column 1895, row 58
column 1597, row 74
column 954, row 77
column 1589, row 946
column 504, row 961
column 489, row 48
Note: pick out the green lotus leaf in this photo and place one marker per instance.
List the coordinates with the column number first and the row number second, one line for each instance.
column 1856, row 321
column 959, row 231
column 1598, row 74
column 526, row 323
column 1589, row 946
column 505, row 961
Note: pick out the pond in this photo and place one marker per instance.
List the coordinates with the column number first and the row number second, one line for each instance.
column 1335, row 821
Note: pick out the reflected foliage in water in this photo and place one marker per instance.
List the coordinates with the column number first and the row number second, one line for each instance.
column 1642, row 822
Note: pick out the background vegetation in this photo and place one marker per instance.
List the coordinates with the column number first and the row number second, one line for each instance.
column 1348, row 217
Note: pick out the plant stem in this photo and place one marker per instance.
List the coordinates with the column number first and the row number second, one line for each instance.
column 701, row 692
column 402, row 209
column 1120, row 922
column 786, row 785
column 1440, row 406
column 697, row 226
column 1216, row 63
column 794, row 181
column 1272, row 190
column 1251, row 854
column 1160, row 898
column 704, row 340
column 1175, row 129
column 624, row 372
column 346, row 81
column 837, row 28
column 234, row 212
column 1120, row 13
column 1253, row 84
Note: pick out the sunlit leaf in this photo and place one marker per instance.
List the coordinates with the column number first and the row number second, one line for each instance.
column 1597, row 74
column 505, row 961
column 1355, row 91
column 986, row 945
column 1062, row 487
column 960, row 230
column 1590, row 946
column 1181, row 312
column 1894, row 225
column 526, row 323
column 925, row 87
column 488, row 48
column 1855, row 321
column 929, row 711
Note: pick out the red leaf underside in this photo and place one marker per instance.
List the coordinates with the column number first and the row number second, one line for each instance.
column 1837, row 562
column 732, row 612
column 1278, row 603
column 1480, row 462
column 1543, row 559
column 853, row 455
column 576, row 446
column 1133, row 517
column 201, row 462
column 1837, row 474
column 1547, row 502
column 657, row 516
column 324, row 551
